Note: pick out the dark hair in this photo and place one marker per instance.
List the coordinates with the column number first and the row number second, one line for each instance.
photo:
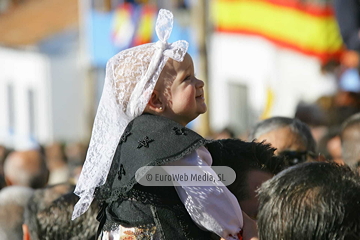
column 350, row 139
column 48, row 216
column 40, row 200
column 55, row 221
column 296, row 126
column 316, row 200
column 227, row 130
column 311, row 114
column 243, row 157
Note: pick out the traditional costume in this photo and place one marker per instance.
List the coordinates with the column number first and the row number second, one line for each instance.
column 125, row 139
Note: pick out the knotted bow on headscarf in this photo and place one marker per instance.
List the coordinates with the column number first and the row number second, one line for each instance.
column 131, row 76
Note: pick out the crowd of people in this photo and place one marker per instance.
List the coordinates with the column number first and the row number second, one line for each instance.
column 280, row 182
column 296, row 177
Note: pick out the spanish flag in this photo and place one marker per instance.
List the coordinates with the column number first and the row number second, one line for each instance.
column 309, row 28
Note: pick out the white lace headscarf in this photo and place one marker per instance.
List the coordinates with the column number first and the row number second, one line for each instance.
column 131, row 76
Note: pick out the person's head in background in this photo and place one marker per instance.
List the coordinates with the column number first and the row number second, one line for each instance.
column 348, row 94
column 346, row 101
column 253, row 163
column 51, row 219
column 313, row 201
column 315, row 118
column 350, row 141
column 225, row 133
column 291, row 138
column 330, row 146
column 57, row 164
column 12, row 203
column 26, row 168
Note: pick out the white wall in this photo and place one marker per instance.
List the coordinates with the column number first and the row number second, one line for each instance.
column 57, row 83
column 67, row 76
column 258, row 64
column 24, row 71
column 67, row 94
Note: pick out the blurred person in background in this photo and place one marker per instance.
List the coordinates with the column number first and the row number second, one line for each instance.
column 350, row 141
column 12, row 203
column 53, row 222
column 40, row 200
column 56, row 161
column 330, row 146
column 346, row 101
column 225, row 133
column 26, row 168
column 312, row 201
column 291, row 138
column 253, row 163
column 314, row 116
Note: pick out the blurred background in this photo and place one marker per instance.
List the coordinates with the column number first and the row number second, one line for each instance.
column 259, row 58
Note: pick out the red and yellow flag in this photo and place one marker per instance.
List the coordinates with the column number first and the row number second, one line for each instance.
column 299, row 25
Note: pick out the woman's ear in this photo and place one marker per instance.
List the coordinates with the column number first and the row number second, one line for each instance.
column 155, row 103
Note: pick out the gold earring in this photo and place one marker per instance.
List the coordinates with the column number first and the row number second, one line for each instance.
column 161, row 108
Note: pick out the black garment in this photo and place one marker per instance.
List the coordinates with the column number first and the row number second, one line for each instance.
column 348, row 17
column 148, row 140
